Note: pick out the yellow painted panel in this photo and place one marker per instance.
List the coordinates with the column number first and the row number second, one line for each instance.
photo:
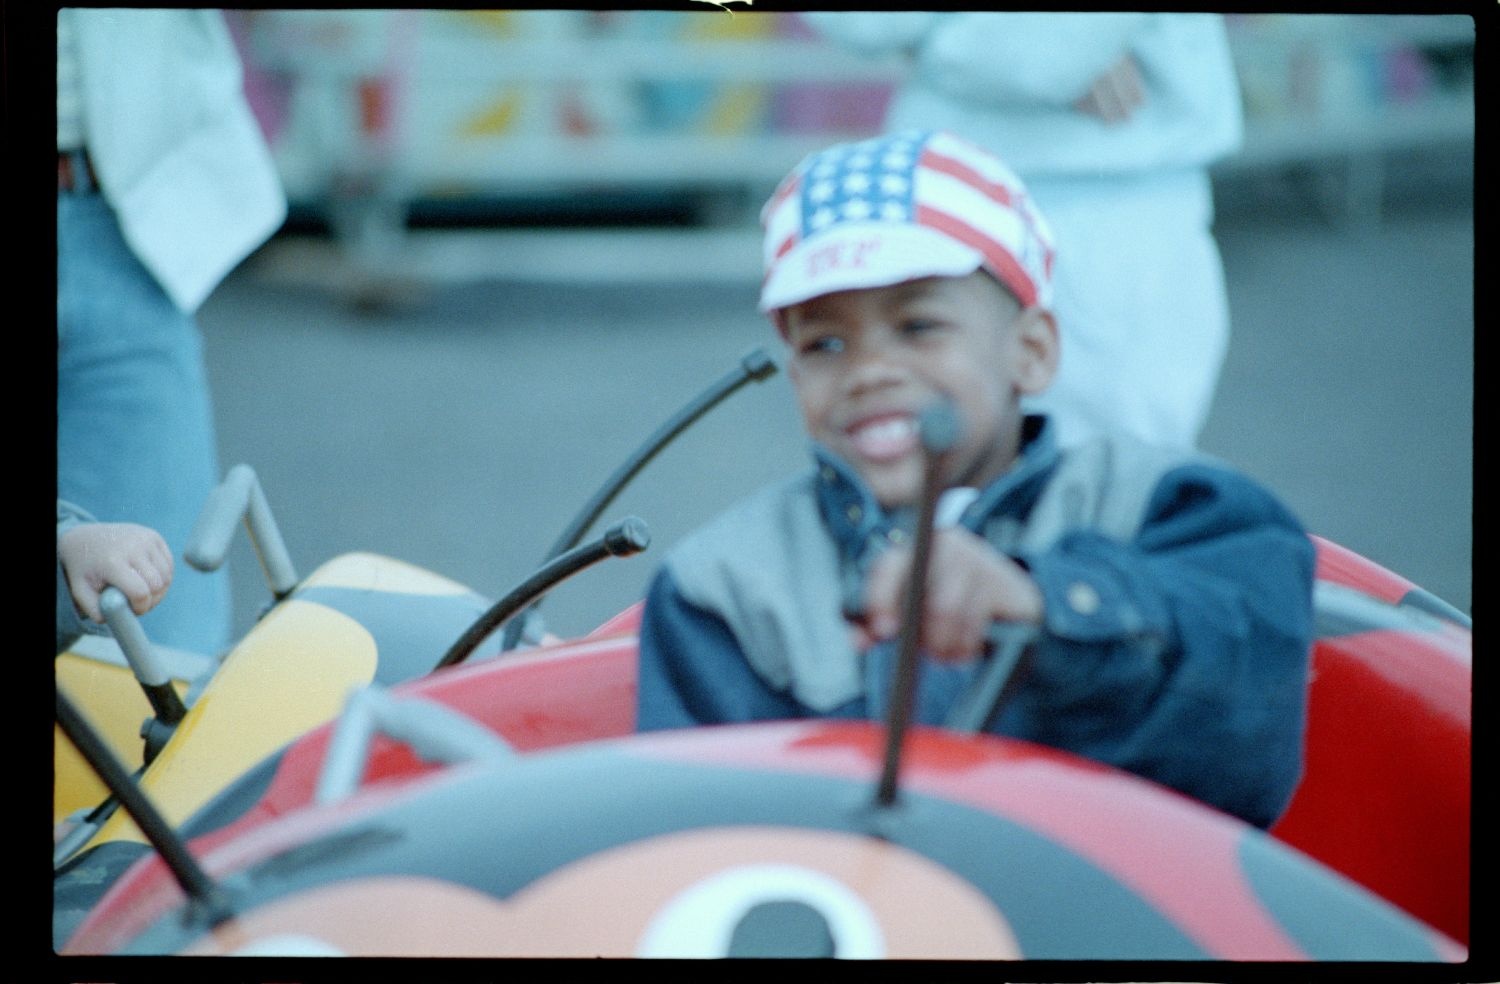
column 292, row 673
column 373, row 572
column 111, row 700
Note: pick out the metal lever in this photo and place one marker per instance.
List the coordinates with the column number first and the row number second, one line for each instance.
column 190, row 876
column 434, row 732
column 238, row 497
column 754, row 366
column 977, row 706
column 939, row 429
column 629, row 536
column 153, row 677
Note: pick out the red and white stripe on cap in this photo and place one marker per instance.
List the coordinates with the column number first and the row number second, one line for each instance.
column 897, row 207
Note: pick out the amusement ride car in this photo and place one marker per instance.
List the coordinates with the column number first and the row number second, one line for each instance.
column 419, row 786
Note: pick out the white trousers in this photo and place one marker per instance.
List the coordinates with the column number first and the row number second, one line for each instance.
column 1140, row 302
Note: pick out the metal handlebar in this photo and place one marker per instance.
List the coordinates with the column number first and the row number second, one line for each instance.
column 628, row 536
column 238, row 497
column 148, row 668
column 433, row 731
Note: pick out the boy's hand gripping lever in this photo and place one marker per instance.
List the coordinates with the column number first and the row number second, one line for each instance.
column 939, row 429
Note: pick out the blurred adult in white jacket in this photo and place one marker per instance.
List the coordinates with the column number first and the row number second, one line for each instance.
column 1112, row 120
column 164, row 185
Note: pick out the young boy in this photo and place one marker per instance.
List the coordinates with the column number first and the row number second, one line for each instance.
column 92, row 556
column 1171, row 597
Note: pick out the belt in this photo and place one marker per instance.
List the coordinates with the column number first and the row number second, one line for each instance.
column 75, row 172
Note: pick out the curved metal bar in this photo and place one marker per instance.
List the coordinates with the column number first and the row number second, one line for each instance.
column 194, row 881
column 88, row 826
column 238, row 497
column 1425, row 601
column 627, row 537
column 755, row 366
column 149, row 671
column 433, row 731
column 977, row 706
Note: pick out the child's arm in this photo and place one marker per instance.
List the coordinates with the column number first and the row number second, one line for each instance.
column 133, row 558
column 692, row 670
column 1183, row 655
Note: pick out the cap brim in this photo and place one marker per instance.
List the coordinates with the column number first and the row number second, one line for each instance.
column 855, row 256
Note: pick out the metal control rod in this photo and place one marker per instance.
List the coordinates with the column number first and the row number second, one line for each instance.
column 629, row 536
column 754, row 366
column 939, row 429
column 195, row 882
column 239, row 497
column 149, row 671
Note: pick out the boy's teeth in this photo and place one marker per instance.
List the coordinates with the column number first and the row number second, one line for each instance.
column 890, row 437
column 887, row 429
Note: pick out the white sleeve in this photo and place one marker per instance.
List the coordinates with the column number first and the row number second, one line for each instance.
column 1044, row 59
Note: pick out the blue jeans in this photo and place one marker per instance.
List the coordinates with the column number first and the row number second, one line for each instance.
column 135, row 431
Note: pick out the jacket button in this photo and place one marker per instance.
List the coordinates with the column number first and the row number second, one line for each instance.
column 1083, row 598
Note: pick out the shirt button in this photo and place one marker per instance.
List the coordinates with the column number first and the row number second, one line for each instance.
column 827, row 474
column 1083, row 598
column 854, row 513
column 897, row 536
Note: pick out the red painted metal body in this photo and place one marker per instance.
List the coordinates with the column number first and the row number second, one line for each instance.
column 1343, row 566
column 1172, row 862
column 1385, row 793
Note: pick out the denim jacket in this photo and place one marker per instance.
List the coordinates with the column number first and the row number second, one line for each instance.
column 1178, row 651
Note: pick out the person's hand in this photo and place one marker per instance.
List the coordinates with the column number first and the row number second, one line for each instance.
column 133, row 558
column 1115, row 95
column 969, row 586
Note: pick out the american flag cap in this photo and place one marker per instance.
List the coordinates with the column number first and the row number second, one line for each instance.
column 897, row 207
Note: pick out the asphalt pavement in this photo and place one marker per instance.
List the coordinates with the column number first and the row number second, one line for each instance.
column 462, row 424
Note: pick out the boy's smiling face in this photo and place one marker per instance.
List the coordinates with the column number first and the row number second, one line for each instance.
column 865, row 363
